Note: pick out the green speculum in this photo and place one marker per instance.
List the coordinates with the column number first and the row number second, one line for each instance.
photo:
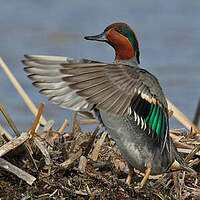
column 156, row 120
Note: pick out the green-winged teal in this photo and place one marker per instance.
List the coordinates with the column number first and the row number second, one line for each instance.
column 127, row 99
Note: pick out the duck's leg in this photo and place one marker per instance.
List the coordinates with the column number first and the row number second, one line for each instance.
column 147, row 173
column 130, row 173
column 146, row 176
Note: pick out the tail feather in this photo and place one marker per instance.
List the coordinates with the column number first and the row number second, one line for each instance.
column 179, row 163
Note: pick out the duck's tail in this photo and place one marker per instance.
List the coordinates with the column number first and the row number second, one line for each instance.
column 176, row 165
column 179, row 163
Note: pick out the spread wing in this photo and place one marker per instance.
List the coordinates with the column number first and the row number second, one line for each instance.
column 118, row 89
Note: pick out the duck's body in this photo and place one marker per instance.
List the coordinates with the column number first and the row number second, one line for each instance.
column 139, row 150
column 127, row 99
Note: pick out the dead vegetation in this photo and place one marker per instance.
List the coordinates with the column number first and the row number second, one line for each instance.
column 44, row 163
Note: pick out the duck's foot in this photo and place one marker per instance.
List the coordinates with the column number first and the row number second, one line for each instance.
column 130, row 173
column 141, row 185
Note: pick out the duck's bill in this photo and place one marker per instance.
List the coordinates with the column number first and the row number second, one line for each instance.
column 101, row 37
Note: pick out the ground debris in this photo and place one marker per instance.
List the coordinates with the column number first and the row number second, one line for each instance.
column 76, row 165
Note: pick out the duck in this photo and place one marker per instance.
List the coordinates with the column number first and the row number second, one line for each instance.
column 127, row 99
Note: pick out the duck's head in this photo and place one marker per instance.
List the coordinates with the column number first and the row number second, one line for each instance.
column 122, row 38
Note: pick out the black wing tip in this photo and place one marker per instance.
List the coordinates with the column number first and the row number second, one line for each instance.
column 41, row 91
column 35, row 83
column 25, row 62
column 26, row 69
column 27, row 56
column 31, row 76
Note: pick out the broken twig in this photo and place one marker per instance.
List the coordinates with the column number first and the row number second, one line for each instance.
column 18, row 172
column 74, row 157
column 97, row 146
column 82, row 164
column 88, row 121
column 182, row 118
column 12, row 144
column 62, row 128
column 21, row 91
column 37, row 118
column 9, row 120
column 197, row 114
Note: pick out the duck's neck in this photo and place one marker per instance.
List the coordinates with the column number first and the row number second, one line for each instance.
column 132, row 62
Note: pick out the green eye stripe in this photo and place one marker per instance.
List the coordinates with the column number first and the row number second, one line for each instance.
column 131, row 37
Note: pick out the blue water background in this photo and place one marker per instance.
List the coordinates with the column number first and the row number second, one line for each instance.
column 168, row 31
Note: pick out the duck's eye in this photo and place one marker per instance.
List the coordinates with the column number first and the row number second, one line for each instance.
column 120, row 30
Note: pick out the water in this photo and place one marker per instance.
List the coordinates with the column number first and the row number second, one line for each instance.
column 168, row 31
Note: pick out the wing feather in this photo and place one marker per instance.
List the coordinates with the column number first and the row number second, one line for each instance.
column 116, row 88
